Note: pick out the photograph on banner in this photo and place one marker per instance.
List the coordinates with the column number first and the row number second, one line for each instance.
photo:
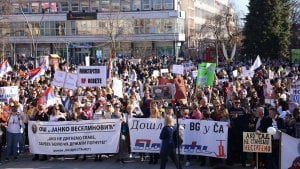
column 74, row 137
column 206, row 74
column 59, row 78
column 257, row 142
column 163, row 92
column 71, row 81
column 177, row 69
column 295, row 92
column 92, row 76
column 7, row 93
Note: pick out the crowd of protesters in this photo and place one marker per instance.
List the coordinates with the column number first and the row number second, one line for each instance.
column 235, row 99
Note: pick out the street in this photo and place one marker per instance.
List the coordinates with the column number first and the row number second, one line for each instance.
column 24, row 162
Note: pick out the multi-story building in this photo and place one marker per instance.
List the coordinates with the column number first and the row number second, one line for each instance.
column 78, row 28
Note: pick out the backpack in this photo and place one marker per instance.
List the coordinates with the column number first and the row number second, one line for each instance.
column 177, row 140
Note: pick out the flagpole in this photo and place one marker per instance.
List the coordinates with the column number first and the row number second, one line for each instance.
column 257, row 160
column 280, row 145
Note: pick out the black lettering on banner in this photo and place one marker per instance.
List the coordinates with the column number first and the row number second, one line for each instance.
column 135, row 124
column 96, row 80
column 89, row 71
column 218, row 129
column 194, row 126
column 206, row 129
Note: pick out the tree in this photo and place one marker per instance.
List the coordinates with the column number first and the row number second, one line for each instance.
column 5, row 11
column 295, row 17
column 267, row 29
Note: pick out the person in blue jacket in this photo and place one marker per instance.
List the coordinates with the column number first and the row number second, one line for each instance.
column 168, row 146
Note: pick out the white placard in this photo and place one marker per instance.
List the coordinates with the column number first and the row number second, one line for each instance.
column 71, row 81
column 248, row 73
column 200, row 137
column 7, row 93
column 235, row 73
column 155, row 73
column 74, row 137
column 117, row 87
column 164, row 70
column 295, row 92
column 177, row 69
column 59, row 78
column 92, row 76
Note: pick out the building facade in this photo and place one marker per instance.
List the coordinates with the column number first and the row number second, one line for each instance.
column 75, row 29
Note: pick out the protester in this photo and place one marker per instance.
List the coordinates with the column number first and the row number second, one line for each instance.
column 167, row 145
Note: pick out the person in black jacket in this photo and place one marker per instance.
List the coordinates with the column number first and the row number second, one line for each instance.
column 278, row 123
column 40, row 115
column 167, row 146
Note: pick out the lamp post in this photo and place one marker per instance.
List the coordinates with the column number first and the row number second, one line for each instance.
column 67, row 43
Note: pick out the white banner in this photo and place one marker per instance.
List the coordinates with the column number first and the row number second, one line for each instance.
column 59, row 78
column 9, row 92
column 71, row 137
column 91, row 76
column 290, row 152
column 117, row 87
column 206, row 138
column 295, row 92
column 254, row 142
column 71, row 81
column 177, row 69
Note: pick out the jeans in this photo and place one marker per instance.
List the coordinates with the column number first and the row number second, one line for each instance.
column 12, row 140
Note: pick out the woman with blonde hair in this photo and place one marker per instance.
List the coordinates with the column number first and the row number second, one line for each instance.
column 154, row 113
column 168, row 147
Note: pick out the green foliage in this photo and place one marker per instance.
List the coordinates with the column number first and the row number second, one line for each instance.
column 267, row 29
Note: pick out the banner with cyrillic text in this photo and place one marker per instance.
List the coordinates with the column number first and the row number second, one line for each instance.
column 71, row 137
column 7, row 93
column 257, row 142
column 200, row 137
column 91, row 76
column 295, row 92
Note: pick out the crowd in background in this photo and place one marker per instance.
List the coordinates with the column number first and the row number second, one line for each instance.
column 235, row 99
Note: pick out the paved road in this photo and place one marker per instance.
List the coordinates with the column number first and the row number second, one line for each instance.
column 24, row 162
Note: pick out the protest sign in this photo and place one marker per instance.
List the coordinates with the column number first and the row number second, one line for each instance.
column 163, row 92
column 71, row 81
column 254, row 142
column 205, row 138
column 188, row 66
column 206, row 74
column 177, row 69
column 7, row 93
column 92, row 76
column 155, row 73
column 164, row 71
column 295, row 92
column 64, row 80
column 59, row 78
column 72, row 137
column 117, row 87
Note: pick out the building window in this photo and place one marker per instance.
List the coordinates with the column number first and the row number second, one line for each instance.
column 64, row 6
column 157, row 4
column 95, row 5
column 115, row 4
column 35, row 7
column 24, row 6
column 125, row 5
column 45, row 7
column 75, row 5
column 168, row 4
column 85, row 5
column 136, row 5
column 105, row 5
column 53, row 7
column 146, row 5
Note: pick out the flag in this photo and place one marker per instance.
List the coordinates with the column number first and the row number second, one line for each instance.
column 37, row 72
column 206, row 74
column 47, row 98
column 257, row 63
column 4, row 68
column 290, row 152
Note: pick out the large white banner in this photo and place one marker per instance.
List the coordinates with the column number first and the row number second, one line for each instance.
column 9, row 92
column 290, row 152
column 295, row 92
column 200, row 137
column 65, row 80
column 71, row 137
column 91, row 76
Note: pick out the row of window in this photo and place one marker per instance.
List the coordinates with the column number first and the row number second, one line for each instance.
column 52, row 6
column 94, row 27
